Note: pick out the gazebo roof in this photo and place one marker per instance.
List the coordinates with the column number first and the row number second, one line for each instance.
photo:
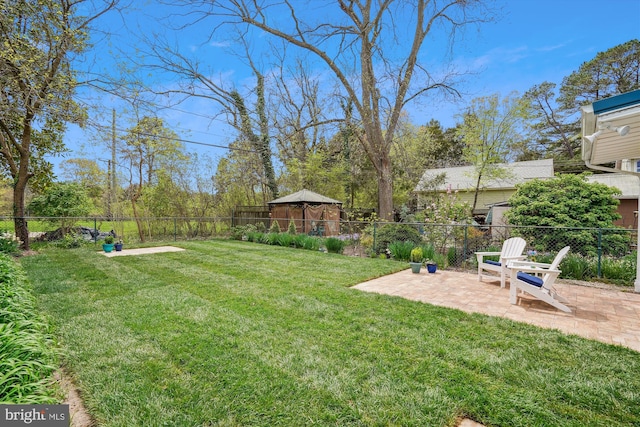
column 304, row 196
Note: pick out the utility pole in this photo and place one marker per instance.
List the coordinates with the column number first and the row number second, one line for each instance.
column 112, row 165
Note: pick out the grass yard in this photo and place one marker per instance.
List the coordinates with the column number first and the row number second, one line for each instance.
column 232, row 333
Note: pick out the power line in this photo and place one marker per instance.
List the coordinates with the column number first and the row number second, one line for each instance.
column 186, row 141
column 161, row 107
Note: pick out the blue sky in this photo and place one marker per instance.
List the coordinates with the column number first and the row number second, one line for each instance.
column 530, row 42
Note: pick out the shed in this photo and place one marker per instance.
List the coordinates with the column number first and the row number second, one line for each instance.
column 311, row 212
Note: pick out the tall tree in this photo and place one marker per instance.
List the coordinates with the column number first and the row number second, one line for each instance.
column 149, row 145
column 372, row 48
column 614, row 71
column 261, row 141
column 490, row 127
column 299, row 113
column 39, row 41
column 445, row 148
column 555, row 121
column 555, row 129
column 251, row 123
column 417, row 148
column 408, row 159
column 88, row 174
column 63, row 203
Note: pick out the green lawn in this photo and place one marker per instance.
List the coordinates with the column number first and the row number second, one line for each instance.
column 231, row 333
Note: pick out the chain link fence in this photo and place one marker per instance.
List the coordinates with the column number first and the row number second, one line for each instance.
column 596, row 253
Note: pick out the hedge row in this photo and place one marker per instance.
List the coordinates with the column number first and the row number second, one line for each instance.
column 27, row 351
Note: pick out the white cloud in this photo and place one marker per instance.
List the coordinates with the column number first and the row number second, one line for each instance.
column 219, row 44
column 551, row 48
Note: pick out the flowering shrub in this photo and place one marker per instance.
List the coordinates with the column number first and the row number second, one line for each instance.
column 445, row 209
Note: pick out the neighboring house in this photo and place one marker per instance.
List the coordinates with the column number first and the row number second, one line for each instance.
column 629, row 187
column 462, row 180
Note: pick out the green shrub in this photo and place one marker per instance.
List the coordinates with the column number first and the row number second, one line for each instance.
column 275, row 227
column 334, row 245
column 311, row 243
column 401, row 251
column 575, row 266
column 71, row 241
column 428, row 251
column 390, row 233
column 285, row 239
column 305, row 242
column 270, row 238
column 241, row 232
column 619, row 270
column 8, row 245
column 236, row 233
column 416, row 255
column 292, row 227
column 255, row 237
column 452, row 256
column 546, row 202
column 441, row 260
column 299, row 239
column 27, row 351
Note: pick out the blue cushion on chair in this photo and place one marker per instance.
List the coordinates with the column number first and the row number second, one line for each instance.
column 492, row 262
column 528, row 278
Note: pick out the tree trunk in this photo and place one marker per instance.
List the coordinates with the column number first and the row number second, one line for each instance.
column 385, row 189
column 20, row 189
column 475, row 195
column 134, row 208
column 19, row 220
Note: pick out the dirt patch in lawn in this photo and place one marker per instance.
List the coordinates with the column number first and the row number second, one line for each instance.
column 77, row 411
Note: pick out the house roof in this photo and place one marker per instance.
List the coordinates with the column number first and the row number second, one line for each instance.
column 304, row 196
column 462, row 178
column 627, row 184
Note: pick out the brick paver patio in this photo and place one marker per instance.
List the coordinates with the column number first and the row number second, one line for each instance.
column 607, row 315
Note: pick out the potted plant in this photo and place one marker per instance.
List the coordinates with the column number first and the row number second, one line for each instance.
column 415, row 260
column 118, row 245
column 431, row 265
column 107, row 246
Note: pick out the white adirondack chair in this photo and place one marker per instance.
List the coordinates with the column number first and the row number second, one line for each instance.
column 537, row 279
column 512, row 250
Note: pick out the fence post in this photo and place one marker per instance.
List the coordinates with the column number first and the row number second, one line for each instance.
column 375, row 246
column 95, row 230
column 465, row 246
column 599, row 252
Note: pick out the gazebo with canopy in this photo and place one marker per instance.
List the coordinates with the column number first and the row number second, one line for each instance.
column 312, row 213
